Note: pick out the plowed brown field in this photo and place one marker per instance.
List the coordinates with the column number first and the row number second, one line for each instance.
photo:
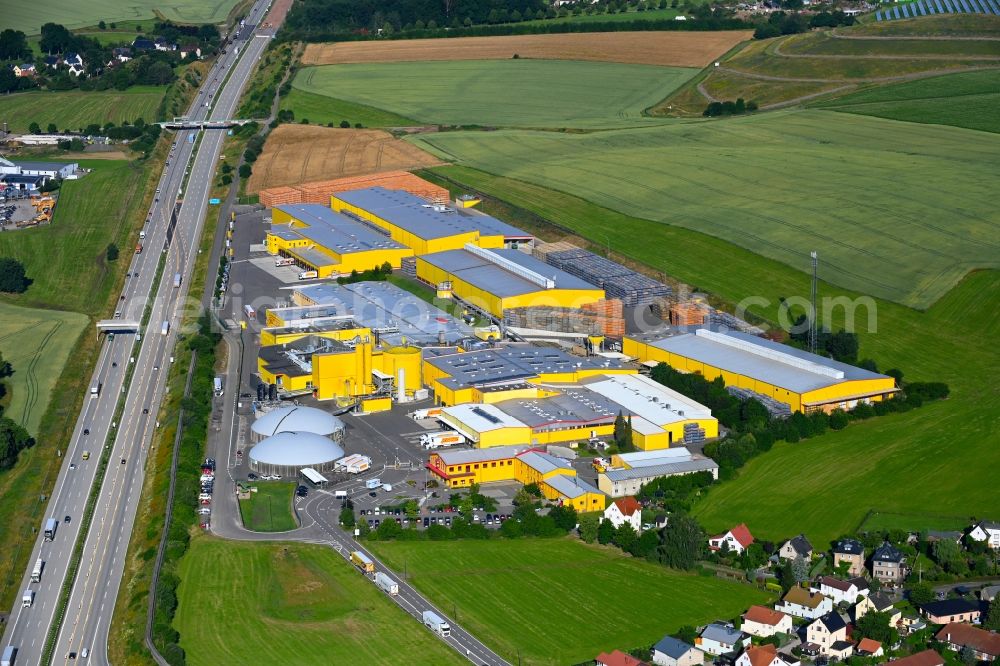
column 298, row 153
column 676, row 49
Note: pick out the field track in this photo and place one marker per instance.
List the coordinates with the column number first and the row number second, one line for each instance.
column 296, row 154
column 676, row 49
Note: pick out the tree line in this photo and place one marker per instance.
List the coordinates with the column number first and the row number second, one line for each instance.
column 13, row 437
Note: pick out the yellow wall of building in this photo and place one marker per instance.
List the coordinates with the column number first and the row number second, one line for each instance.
column 408, row 359
column 269, row 336
column 373, row 405
column 345, row 374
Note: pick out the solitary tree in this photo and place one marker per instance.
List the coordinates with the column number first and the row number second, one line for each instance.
column 112, row 252
column 12, row 277
column 682, row 542
column 588, row 527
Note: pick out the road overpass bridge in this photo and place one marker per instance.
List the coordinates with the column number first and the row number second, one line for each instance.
column 190, row 124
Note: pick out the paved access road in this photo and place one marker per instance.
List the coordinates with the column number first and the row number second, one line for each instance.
column 88, row 615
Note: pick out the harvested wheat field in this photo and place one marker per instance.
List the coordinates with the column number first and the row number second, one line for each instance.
column 297, row 153
column 678, row 49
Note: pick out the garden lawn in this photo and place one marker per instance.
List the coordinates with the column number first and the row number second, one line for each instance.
column 513, row 92
column 66, row 259
column 560, row 601
column 969, row 99
column 29, row 17
column 270, row 508
column 936, row 461
column 897, row 210
column 291, row 603
column 36, row 343
column 74, row 109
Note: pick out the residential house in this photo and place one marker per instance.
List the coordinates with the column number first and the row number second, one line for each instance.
column 717, row 639
column 143, row 44
column 760, row 655
column 52, row 61
column 851, row 551
column 796, row 547
column 925, row 658
column 76, row 70
column 880, row 603
column 625, row 510
column 660, row 521
column 70, row 59
column 763, row 622
column 841, row 591
column 988, row 531
column 800, row 602
column 985, row 644
column 840, row 650
column 617, row 658
column 670, row 651
column 826, row 630
column 24, row 69
column 889, row 565
column 190, row 48
column 947, row 611
column 870, row 648
column 989, row 592
column 161, row 44
column 121, row 53
column 736, row 539
column 910, row 623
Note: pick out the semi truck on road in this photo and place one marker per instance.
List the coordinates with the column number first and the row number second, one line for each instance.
column 387, row 584
column 51, row 525
column 435, row 623
column 9, row 653
column 308, row 275
column 27, row 598
column 362, row 561
column 36, row 572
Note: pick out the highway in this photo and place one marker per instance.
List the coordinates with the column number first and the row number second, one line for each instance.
column 88, row 615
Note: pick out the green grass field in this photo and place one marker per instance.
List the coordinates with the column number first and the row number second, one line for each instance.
column 74, row 109
column 270, row 508
column 548, row 601
column 936, row 461
column 913, row 522
column 66, row 259
column 30, row 17
column 941, row 25
column 269, row 603
column 320, row 110
column 968, row 100
column 519, row 93
column 782, row 184
column 36, row 343
column 824, row 44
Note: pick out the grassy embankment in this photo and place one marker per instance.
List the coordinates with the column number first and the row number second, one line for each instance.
column 497, row 589
column 826, row 486
column 291, row 603
column 66, row 261
column 74, row 109
column 518, row 93
column 270, row 508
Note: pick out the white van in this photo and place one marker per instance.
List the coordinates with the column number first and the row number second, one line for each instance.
column 340, row 494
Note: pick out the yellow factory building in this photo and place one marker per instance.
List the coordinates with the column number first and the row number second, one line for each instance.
column 805, row 382
column 506, row 372
column 318, row 239
column 497, row 280
column 567, row 414
column 423, row 226
column 555, row 477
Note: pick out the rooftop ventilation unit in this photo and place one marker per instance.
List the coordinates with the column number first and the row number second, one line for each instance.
column 511, row 267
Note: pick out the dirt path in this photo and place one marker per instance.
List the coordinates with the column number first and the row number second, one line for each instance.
column 805, row 98
column 904, row 38
column 704, row 93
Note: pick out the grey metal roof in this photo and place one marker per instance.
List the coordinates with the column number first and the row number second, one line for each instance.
column 496, row 280
column 313, row 257
column 459, row 457
column 672, row 647
column 543, row 463
column 572, row 406
column 723, row 634
column 424, row 220
column 513, row 363
column 296, row 448
column 571, row 486
column 334, row 231
column 762, row 366
column 652, row 471
column 42, row 166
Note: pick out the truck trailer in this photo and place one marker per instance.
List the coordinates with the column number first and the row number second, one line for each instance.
column 165, row 328
column 362, row 561
column 386, row 584
column 177, row 280
column 36, row 572
column 435, row 623
column 9, row 654
column 372, row 484
column 308, row 275
column 435, row 440
column 27, row 598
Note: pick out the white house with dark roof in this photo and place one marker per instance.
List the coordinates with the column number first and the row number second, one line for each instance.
column 717, row 639
column 988, row 531
column 670, row 651
column 796, row 547
column 841, row 591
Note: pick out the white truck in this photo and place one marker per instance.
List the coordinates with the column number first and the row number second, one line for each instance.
column 36, row 572
column 165, row 328
column 435, row 623
column 436, row 440
column 177, row 280
column 284, row 261
column 308, row 275
column 27, row 598
column 386, row 584
column 51, row 525
column 218, row 386
column 428, row 413
column 95, row 389
column 9, row 653
column 387, row 487
column 372, row 484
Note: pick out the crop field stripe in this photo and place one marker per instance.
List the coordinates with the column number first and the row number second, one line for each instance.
column 29, row 17
column 784, row 184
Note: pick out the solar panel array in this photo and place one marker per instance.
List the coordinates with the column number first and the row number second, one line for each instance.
column 617, row 281
column 932, row 7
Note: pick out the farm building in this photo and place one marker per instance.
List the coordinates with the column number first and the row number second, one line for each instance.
column 64, row 170
column 510, row 371
column 427, row 227
column 297, row 419
column 555, row 477
column 498, row 280
column 330, row 244
column 287, row 452
column 629, row 472
column 804, row 381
